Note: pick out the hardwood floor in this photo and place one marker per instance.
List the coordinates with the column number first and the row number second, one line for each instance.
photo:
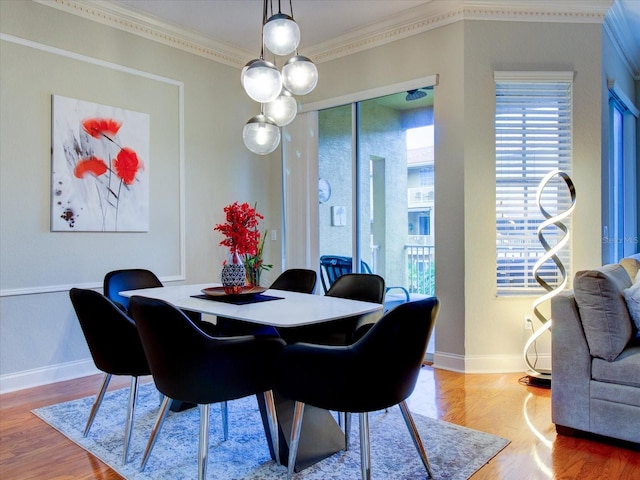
column 493, row 403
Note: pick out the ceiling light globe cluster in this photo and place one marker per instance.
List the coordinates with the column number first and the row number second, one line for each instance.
column 264, row 84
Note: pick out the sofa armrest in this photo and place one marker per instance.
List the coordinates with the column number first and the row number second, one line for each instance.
column 570, row 365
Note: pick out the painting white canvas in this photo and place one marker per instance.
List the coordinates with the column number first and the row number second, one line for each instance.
column 100, row 168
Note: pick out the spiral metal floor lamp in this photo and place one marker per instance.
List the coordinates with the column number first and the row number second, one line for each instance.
column 536, row 376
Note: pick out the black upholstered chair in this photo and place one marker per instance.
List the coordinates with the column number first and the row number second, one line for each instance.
column 378, row 371
column 128, row 279
column 333, row 267
column 189, row 365
column 115, row 347
column 117, row 281
column 354, row 286
column 299, row 280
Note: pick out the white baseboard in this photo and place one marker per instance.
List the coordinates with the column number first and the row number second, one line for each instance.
column 486, row 363
column 442, row 360
column 47, row 375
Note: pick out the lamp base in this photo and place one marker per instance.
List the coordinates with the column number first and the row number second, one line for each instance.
column 541, row 378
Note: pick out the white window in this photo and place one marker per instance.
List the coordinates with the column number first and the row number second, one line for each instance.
column 619, row 236
column 533, row 138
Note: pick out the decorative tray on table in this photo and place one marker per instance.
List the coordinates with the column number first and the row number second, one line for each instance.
column 219, row 291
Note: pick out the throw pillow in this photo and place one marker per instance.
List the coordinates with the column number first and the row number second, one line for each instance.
column 605, row 317
column 631, row 265
column 632, row 297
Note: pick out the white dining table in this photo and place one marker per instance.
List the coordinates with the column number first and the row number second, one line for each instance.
column 320, row 436
column 290, row 309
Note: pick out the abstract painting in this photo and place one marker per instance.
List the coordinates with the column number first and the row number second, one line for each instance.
column 100, row 168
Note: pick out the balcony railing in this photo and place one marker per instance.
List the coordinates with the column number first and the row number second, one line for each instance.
column 421, row 272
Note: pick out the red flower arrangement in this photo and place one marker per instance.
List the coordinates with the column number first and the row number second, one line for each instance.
column 241, row 229
column 244, row 239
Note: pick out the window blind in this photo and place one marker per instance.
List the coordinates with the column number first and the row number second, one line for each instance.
column 533, row 126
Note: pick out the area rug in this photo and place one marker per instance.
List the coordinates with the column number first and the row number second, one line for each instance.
column 454, row 452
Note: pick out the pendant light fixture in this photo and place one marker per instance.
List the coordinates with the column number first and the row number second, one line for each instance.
column 261, row 135
column 283, row 109
column 281, row 34
column 300, row 75
column 263, row 82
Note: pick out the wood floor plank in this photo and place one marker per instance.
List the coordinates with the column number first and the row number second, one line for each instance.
column 493, row 403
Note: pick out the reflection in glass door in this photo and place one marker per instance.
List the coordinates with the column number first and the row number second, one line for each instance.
column 376, row 172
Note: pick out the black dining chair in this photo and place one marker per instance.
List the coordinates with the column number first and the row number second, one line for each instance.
column 299, row 280
column 333, row 267
column 112, row 338
column 354, row 286
column 378, row 371
column 117, row 281
column 189, row 365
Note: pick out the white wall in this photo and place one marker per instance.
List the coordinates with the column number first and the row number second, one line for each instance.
column 477, row 331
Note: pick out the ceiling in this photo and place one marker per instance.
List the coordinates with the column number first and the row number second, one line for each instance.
column 237, row 23
column 327, row 24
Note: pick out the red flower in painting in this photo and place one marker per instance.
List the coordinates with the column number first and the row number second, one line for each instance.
column 91, row 165
column 241, row 229
column 97, row 127
column 127, row 165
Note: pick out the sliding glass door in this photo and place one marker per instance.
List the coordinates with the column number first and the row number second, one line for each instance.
column 375, row 167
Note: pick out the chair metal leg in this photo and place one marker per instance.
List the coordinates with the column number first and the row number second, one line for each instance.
column 296, row 425
column 133, row 395
column 97, row 402
column 272, row 418
column 347, row 429
column 365, row 447
column 225, row 420
column 162, row 414
column 203, row 442
column 415, row 436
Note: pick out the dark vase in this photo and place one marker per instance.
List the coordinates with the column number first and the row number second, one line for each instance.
column 234, row 275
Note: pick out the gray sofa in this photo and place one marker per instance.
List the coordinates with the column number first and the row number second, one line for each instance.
column 595, row 384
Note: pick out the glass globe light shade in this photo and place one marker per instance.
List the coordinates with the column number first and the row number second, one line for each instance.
column 245, row 68
column 262, row 81
column 299, row 75
column 283, row 109
column 261, row 135
column 281, row 34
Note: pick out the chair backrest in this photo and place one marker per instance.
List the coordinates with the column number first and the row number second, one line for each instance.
column 366, row 287
column 296, row 280
column 189, row 365
column 112, row 337
column 128, row 279
column 333, row 266
column 376, row 372
column 394, row 348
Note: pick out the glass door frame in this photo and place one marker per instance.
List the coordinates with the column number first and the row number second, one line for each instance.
column 289, row 157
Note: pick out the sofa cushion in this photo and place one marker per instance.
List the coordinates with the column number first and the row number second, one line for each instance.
column 603, row 310
column 632, row 297
column 624, row 370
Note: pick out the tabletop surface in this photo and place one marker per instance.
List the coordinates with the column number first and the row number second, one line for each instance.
column 292, row 310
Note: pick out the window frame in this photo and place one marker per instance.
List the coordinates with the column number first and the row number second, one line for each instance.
column 533, row 128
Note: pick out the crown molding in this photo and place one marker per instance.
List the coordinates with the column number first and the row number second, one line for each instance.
column 112, row 15
column 428, row 16
column 620, row 33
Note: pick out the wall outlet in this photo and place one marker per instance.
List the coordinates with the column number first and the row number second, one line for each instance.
column 528, row 323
